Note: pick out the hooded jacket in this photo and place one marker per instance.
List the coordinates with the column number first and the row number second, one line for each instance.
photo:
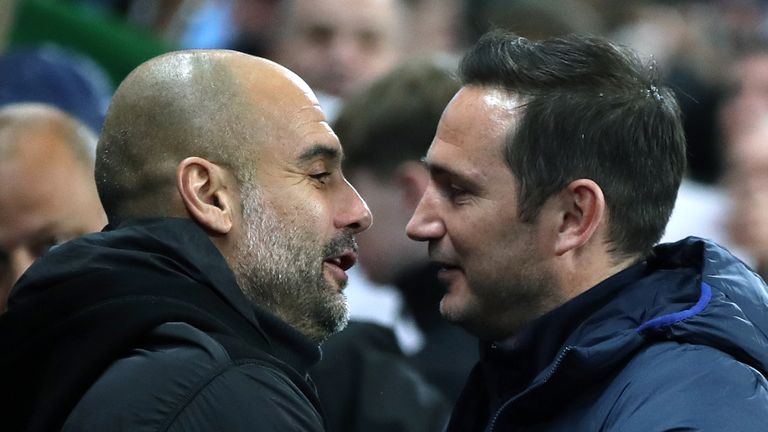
column 676, row 343
column 144, row 328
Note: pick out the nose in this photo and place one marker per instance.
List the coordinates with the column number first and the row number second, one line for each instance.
column 345, row 50
column 355, row 214
column 425, row 224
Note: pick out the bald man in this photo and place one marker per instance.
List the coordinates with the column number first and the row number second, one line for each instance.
column 204, row 301
column 47, row 192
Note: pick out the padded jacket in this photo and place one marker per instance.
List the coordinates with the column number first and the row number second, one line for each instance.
column 143, row 328
column 676, row 343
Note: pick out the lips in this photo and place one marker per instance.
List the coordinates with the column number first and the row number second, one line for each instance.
column 339, row 264
column 444, row 264
column 345, row 261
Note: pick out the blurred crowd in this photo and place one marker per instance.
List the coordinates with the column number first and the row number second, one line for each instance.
column 382, row 70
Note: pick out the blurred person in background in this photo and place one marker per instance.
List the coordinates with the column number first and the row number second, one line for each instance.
column 533, row 19
column 398, row 366
column 747, row 182
column 436, row 27
column 54, row 76
column 339, row 46
column 689, row 42
column 114, row 43
column 47, row 190
column 387, row 129
column 744, row 121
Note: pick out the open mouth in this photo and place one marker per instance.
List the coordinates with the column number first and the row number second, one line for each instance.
column 344, row 261
column 337, row 267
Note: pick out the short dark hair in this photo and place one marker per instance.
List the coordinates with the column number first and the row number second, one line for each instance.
column 591, row 110
column 395, row 119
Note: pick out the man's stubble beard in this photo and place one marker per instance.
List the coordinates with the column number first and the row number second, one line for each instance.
column 505, row 303
column 280, row 268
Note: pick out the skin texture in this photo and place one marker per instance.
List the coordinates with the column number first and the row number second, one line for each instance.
column 340, row 45
column 48, row 194
column 264, row 179
column 495, row 268
column 500, row 272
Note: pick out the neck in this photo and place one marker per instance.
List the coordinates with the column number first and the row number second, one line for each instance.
column 583, row 271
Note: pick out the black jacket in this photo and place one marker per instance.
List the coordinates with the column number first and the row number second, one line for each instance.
column 679, row 342
column 365, row 383
column 144, row 328
column 449, row 352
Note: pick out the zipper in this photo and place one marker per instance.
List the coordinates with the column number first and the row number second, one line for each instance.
column 552, row 370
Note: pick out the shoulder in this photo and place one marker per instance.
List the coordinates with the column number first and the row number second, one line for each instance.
column 183, row 379
column 244, row 395
column 670, row 385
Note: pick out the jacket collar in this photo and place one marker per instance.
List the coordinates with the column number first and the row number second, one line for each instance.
column 188, row 244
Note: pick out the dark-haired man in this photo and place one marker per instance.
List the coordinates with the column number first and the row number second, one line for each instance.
column 202, row 305
column 553, row 173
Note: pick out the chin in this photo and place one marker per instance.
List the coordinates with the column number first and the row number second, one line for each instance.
column 453, row 309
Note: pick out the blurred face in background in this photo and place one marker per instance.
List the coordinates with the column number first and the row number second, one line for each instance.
column 749, row 102
column 339, row 45
column 744, row 121
column 47, row 197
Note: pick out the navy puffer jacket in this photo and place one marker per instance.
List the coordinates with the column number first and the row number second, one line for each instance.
column 676, row 343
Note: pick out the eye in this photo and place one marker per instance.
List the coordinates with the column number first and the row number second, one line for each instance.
column 455, row 193
column 321, row 178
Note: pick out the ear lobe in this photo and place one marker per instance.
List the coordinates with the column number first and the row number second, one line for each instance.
column 412, row 178
column 583, row 209
column 207, row 192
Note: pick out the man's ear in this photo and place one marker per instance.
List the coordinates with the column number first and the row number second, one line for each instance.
column 582, row 209
column 209, row 193
column 412, row 178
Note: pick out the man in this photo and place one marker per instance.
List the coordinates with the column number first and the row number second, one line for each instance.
column 48, row 194
column 744, row 121
column 340, row 45
column 202, row 304
column 553, row 172
column 747, row 182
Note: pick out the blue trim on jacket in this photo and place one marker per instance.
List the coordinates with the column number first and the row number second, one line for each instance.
column 668, row 320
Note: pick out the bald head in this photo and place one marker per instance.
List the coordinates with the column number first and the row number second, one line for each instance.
column 239, row 145
column 47, row 192
column 27, row 118
column 217, row 105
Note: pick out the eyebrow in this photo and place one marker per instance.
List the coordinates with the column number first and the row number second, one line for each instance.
column 323, row 150
column 437, row 170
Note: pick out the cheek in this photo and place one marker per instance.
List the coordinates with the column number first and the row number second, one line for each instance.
column 313, row 215
column 473, row 234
